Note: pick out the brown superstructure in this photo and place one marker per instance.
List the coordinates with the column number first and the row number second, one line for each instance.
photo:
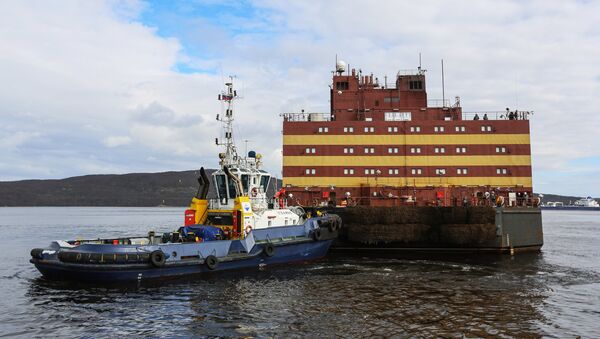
column 388, row 145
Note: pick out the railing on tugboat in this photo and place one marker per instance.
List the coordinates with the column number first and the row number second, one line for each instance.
column 215, row 203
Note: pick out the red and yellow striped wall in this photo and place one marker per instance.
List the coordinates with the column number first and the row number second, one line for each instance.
column 329, row 161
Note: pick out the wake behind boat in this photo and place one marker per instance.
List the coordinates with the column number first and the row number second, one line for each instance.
column 241, row 228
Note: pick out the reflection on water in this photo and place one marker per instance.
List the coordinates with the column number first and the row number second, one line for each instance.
column 554, row 293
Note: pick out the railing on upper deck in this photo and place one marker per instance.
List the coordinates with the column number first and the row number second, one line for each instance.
column 497, row 115
column 410, row 72
column 306, row 116
column 438, row 103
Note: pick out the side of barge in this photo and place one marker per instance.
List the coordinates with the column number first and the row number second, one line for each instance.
column 375, row 229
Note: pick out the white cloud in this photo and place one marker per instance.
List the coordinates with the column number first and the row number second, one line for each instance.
column 88, row 76
column 115, row 141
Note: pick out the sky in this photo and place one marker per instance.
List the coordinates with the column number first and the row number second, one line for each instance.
column 93, row 87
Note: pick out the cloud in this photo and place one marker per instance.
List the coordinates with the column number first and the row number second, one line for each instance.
column 115, row 141
column 82, row 78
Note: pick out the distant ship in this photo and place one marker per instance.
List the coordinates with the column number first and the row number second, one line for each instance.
column 588, row 204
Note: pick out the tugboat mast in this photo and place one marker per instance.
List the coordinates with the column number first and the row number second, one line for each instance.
column 230, row 157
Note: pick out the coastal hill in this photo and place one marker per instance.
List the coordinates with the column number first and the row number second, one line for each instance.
column 134, row 189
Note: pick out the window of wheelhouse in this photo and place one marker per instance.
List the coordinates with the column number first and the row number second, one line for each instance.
column 221, row 184
column 232, row 189
column 245, row 182
column 264, row 182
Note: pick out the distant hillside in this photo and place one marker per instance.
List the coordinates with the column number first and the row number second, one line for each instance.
column 134, row 189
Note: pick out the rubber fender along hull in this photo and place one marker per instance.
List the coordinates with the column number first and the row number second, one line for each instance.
column 299, row 252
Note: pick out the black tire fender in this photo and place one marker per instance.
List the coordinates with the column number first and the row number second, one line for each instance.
column 37, row 253
column 269, row 250
column 211, row 262
column 317, row 235
column 332, row 225
column 157, row 258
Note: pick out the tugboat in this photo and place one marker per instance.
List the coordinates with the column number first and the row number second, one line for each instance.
column 241, row 228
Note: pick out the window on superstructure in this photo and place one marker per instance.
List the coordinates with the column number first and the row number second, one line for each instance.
column 415, row 129
column 391, row 99
column 221, row 186
column 486, row 128
column 415, row 150
column 370, row 150
column 245, row 182
column 416, row 171
column 341, row 85
column 461, row 150
column 415, row 84
column 264, row 182
column 461, row 171
column 500, row 149
column 460, row 128
column 310, row 150
column 439, row 150
column 438, row 129
column 440, row 171
column 348, row 129
column 501, row 171
column 232, row 187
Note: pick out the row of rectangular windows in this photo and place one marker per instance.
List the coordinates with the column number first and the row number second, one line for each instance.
column 395, row 150
column 413, row 171
column 413, row 129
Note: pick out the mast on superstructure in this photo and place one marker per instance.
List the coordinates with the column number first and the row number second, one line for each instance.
column 230, row 156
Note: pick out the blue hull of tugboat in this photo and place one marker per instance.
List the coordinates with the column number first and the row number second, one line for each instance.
column 289, row 253
column 97, row 261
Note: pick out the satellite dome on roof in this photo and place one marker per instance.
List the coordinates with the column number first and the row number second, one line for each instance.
column 340, row 66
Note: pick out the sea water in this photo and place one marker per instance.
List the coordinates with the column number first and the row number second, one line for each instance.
column 555, row 293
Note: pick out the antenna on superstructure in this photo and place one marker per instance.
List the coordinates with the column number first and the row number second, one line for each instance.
column 246, row 141
column 419, row 62
column 443, row 87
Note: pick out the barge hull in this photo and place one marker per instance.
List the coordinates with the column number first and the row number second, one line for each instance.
column 379, row 230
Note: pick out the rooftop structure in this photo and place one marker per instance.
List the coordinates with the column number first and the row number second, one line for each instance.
column 389, row 144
